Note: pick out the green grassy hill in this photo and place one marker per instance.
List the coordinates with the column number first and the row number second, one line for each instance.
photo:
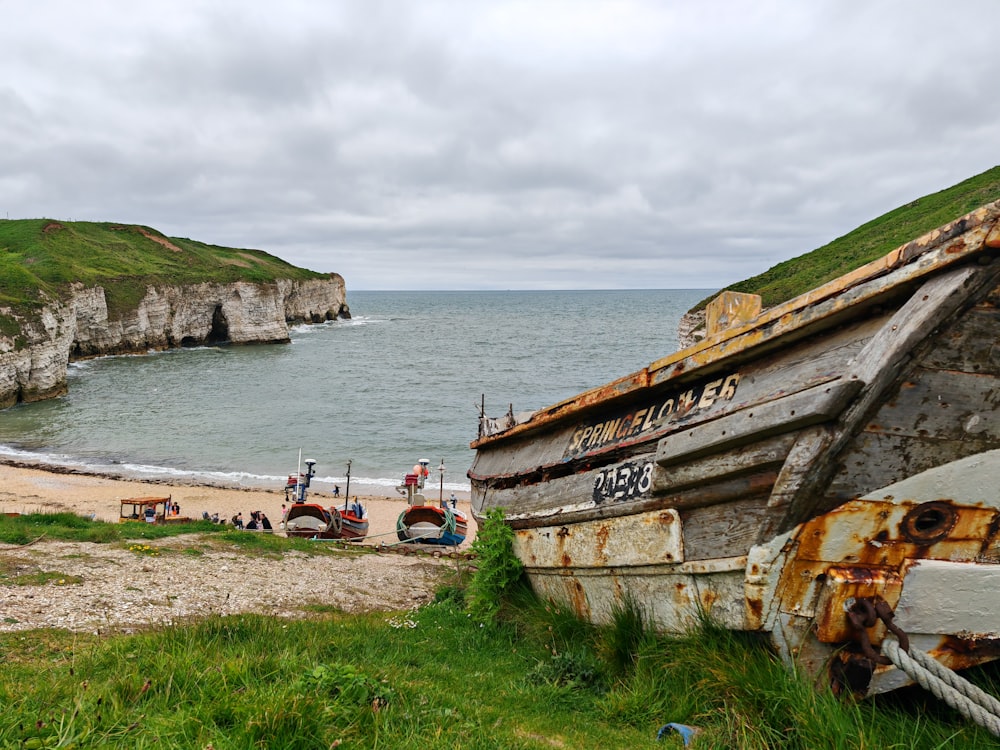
column 793, row 277
column 41, row 257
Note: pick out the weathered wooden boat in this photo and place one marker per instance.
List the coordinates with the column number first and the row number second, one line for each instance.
column 808, row 471
column 423, row 522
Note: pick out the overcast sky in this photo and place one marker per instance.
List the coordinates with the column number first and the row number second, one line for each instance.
column 474, row 144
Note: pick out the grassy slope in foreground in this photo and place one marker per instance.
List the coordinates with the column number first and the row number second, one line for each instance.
column 793, row 277
column 43, row 256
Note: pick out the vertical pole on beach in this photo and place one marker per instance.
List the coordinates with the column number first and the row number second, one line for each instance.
column 441, row 490
column 348, row 493
column 298, row 475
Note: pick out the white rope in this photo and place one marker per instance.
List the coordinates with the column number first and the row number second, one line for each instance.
column 963, row 696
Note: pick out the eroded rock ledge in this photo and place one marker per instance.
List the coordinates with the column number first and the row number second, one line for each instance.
column 33, row 363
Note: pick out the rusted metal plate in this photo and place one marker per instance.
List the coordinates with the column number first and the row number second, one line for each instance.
column 642, row 539
column 841, row 587
column 886, row 534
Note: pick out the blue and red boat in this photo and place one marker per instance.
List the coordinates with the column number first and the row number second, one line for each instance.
column 424, row 522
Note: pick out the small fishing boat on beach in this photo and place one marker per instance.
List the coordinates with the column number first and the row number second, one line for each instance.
column 316, row 521
column 423, row 522
column 824, row 471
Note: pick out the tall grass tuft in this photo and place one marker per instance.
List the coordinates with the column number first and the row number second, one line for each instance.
column 630, row 631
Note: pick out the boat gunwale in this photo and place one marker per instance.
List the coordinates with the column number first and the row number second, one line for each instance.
column 625, row 448
column 782, row 320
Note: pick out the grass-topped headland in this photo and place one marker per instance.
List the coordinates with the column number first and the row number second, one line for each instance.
column 42, row 257
column 872, row 240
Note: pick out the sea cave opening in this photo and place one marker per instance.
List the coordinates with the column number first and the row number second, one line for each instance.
column 219, row 334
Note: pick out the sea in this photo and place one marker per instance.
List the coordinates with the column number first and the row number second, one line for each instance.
column 404, row 379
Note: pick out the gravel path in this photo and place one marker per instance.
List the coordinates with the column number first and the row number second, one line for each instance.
column 85, row 587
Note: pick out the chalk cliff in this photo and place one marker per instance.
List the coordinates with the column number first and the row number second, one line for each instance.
column 33, row 361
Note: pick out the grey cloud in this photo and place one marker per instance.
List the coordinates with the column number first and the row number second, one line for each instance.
column 489, row 144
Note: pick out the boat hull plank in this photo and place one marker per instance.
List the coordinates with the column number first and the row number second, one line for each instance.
column 675, row 597
column 754, row 387
column 510, row 459
column 768, row 453
column 596, row 492
column 937, row 413
column 578, row 503
column 625, row 541
column 816, row 362
column 711, row 532
column 947, row 404
column 972, row 346
column 820, row 404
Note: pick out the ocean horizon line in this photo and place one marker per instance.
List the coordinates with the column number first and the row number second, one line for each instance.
column 540, row 290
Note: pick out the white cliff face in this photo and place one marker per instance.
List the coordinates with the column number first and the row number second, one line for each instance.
column 31, row 372
column 33, row 365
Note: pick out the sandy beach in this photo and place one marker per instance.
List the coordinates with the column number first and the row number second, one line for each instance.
column 108, row 588
column 33, row 490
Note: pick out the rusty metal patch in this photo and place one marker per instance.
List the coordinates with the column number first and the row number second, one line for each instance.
column 928, row 523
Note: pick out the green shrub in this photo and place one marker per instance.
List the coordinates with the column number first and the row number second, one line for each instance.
column 498, row 569
column 576, row 669
column 344, row 684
